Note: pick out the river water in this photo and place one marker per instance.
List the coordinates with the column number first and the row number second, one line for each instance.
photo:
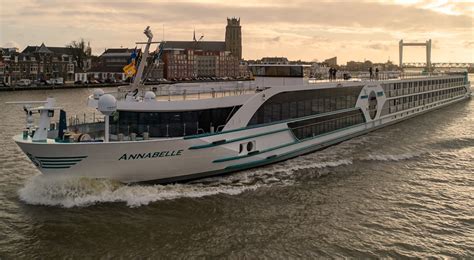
column 403, row 191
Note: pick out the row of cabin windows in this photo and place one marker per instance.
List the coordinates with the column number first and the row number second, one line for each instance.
column 326, row 124
column 404, row 103
column 171, row 124
column 295, row 104
column 405, row 88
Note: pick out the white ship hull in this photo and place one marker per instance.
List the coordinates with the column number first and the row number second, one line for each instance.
column 174, row 159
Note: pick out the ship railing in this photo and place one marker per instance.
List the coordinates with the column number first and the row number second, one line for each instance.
column 85, row 118
column 196, row 92
column 86, row 123
column 385, row 75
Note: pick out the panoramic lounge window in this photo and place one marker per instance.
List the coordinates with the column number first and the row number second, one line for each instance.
column 291, row 105
column 171, row 124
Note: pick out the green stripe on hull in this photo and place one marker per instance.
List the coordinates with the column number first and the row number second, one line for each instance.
column 60, row 158
column 220, row 142
column 61, row 161
column 283, row 145
column 58, row 164
column 292, row 154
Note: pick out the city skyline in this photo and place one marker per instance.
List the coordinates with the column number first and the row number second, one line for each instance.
column 362, row 30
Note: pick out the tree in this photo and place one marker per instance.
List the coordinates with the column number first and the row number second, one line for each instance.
column 80, row 51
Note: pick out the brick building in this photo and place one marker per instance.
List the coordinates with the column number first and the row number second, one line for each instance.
column 189, row 63
column 37, row 63
column 179, row 63
column 190, row 59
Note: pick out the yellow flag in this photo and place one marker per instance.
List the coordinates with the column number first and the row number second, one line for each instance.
column 130, row 69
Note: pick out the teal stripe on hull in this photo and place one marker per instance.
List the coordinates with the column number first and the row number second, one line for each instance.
column 288, row 155
column 60, row 158
column 62, row 161
column 257, row 152
column 58, row 164
column 220, row 142
column 283, row 145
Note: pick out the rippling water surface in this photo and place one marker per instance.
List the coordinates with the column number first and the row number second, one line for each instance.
column 402, row 191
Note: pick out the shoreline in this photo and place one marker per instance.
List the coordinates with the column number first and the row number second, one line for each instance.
column 52, row 87
column 104, row 85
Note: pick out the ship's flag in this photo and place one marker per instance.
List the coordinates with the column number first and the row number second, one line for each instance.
column 131, row 68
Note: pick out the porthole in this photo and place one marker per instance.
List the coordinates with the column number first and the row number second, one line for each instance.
column 249, row 146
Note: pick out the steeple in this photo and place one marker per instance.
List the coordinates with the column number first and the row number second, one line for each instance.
column 233, row 37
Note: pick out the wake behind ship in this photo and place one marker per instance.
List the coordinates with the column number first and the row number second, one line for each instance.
column 181, row 132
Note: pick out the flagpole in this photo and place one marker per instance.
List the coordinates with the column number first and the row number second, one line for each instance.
column 141, row 65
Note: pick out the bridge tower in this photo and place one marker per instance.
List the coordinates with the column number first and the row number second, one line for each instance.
column 427, row 44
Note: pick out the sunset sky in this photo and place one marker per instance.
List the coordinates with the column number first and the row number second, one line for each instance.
column 297, row 29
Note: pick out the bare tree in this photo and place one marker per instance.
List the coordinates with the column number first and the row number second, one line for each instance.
column 79, row 50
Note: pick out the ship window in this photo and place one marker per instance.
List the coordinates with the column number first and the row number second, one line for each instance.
column 316, row 126
column 171, row 124
column 302, row 103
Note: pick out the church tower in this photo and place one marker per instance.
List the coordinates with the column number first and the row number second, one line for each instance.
column 233, row 37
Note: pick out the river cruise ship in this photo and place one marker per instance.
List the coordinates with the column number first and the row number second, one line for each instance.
column 188, row 131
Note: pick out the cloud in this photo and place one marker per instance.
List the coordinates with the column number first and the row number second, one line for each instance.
column 11, row 44
column 303, row 28
column 276, row 39
column 469, row 44
column 378, row 46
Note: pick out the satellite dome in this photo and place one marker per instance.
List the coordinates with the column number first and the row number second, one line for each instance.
column 98, row 92
column 150, row 96
column 107, row 104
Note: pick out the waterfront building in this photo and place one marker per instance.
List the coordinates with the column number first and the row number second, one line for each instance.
column 179, row 64
column 6, row 54
column 274, row 60
column 189, row 63
column 109, row 66
column 244, row 69
column 38, row 63
column 232, row 42
column 331, row 62
column 358, row 66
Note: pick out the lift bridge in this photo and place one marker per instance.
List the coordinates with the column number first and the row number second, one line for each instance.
column 428, row 65
column 440, row 65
